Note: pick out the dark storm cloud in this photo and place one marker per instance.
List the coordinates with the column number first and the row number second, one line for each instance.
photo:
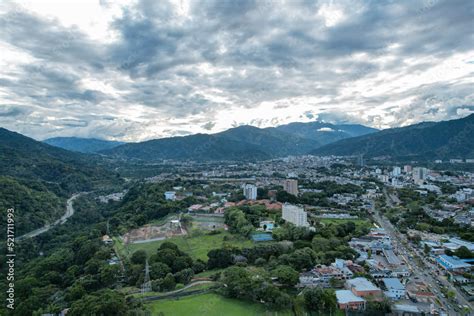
column 11, row 111
column 220, row 54
column 208, row 126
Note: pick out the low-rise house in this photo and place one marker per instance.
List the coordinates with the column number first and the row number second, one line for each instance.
column 363, row 287
column 395, row 289
column 343, row 266
column 453, row 264
column 405, row 310
column 107, row 240
column 195, row 207
column 347, row 300
column 309, row 279
column 400, row 273
column 420, row 292
column 170, row 195
column 326, row 273
column 460, row 243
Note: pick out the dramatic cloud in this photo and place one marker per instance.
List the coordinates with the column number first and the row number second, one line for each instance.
column 147, row 69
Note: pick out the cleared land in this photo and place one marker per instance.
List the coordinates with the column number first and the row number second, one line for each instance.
column 151, row 232
column 209, row 305
column 197, row 245
column 208, row 222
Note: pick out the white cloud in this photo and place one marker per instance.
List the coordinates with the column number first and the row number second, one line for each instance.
column 135, row 70
column 325, row 129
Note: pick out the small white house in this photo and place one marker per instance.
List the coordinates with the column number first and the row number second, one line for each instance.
column 170, row 195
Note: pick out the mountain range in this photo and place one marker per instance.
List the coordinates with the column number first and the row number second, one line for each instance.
column 83, row 145
column 427, row 140
column 241, row 143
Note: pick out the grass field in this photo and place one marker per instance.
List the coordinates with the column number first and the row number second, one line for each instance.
column 206, row 274
column 209, row 305
column 357, row 222
column 192, row 288
column 197, row 246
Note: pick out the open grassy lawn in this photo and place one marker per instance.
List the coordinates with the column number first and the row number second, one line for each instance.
column 209, row 305
column 197, row 218
column 357, row 222
column 197, row 246
column 204, row 286
column 119, row 247
column 206, row 274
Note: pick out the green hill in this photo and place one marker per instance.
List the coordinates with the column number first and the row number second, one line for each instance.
column 429, row 140
column 36, row 179
column 83, row 145
column 240, row 143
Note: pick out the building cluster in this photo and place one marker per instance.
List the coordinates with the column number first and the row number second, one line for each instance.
column 377, row 251
column 356, row 293
column 452, row 267
column 324, row 276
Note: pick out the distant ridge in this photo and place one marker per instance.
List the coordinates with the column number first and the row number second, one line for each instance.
column 83, row 145
column 240, row 143
column 427, row 140
column 326, row 133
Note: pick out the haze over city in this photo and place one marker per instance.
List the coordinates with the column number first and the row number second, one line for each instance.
column 138, row 70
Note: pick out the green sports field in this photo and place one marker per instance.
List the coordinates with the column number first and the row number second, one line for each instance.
column 209, row 305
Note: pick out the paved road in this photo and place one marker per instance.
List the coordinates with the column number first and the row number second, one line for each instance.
column 426, row 271
column 69, row 212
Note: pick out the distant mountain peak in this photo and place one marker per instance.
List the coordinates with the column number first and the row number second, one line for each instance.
column 425, row 140
column 84, row 145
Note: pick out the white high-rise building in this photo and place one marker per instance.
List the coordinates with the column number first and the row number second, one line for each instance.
column 295, row 215
column 419, row 174
column 407, row 169
column 396, row 171
column 250, row 191
column 291, row 186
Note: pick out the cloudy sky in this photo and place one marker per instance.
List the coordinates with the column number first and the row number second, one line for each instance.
column 135, row 70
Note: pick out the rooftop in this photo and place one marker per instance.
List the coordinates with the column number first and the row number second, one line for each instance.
column 362, row 284
column 406, row 308
column 391, row 257
column 346, row 296
column 452, row 262
column 460, row 242
column 393, row 283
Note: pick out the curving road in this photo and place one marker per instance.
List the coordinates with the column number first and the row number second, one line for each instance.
column 62, row 220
